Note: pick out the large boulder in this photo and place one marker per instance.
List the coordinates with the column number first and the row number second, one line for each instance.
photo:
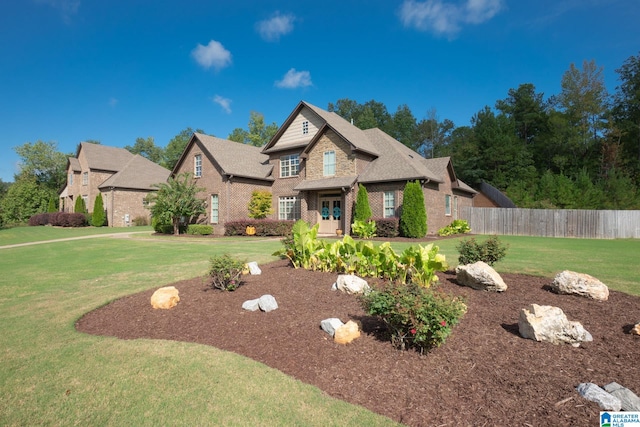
column 267, row 303
column 165, row 298
column 630, row 401
column 606, row 401
column 347, row 333
column 351, row 284
column 481, row 276
column 572, row 283
column 549, row 324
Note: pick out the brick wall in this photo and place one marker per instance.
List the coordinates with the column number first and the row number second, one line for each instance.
column 121, row 202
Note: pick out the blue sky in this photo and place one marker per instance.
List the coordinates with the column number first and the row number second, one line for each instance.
column 116, row 70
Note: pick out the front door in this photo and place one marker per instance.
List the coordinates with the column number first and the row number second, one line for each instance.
column 330, row 213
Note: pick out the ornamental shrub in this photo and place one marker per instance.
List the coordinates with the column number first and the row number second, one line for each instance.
column 413, row 221
column 226, row 272
column 264, row 227
column 200, row 229
column 387, row 227
column 415, row 316
column 80, row 206
column 260, row 204
column 490, row 251
column 457, row 226
column 98, row 217
column 52, row 206
column 362, row 211
column 364, row 230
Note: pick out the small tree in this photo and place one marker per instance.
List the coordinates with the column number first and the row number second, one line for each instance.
column 80, row 206
column 52, row 206
column 176, row 199
column 413, row 221
column 362, row 208
column 98, row 218
column 260, row 204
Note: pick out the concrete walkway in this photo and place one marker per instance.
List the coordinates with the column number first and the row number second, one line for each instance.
column 41, row 242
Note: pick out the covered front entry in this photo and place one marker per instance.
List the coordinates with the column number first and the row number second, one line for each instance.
column 330, row 214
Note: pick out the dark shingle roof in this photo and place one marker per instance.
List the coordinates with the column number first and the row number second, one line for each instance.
column 138, row 173
column 326, row 183
column 236, row 158
column 74, row 164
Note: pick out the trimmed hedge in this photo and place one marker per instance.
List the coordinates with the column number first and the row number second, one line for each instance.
column 200, row 229
column 264, row 227
column 59, row 219
column 387, row 227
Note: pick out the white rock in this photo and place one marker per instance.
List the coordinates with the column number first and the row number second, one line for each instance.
column 351, row 284
column 549, row 324
column 253, row 268
column 251, row 305
column 592, row 392
column 572, row 283
column 330, row 325
column 481, row 276
column 267, row 303
column 630, row 401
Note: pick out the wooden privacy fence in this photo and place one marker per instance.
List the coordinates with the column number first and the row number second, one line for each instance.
column 581, row 223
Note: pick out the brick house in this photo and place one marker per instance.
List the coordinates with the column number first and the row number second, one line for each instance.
column 313, row 166
column 123, row 178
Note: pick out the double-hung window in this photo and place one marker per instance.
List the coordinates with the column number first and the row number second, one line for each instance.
column 288, row 208
column 215, row 208
column 85, row 178
column 289, row 165
column 389, row 204
column 329, row 163
column 447, row 205
column 197, row 165
column 71, row 178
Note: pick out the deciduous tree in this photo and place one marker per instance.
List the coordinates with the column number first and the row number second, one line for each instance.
column 176, row 199
column 146, row 148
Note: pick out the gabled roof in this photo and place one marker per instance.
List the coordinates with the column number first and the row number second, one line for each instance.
column 235, row 158
column 397, row 162
column 442, row 166
column 74, row 164
column 326, row 183
column 350, row 133
column 102, row 157
column 138, row 173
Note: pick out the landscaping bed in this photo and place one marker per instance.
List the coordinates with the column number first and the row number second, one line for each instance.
column 484, row 373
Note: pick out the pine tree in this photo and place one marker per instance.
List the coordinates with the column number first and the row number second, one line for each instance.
column 98, row 218
column 413, row 221
column 362, row 208
column 52, row 206
column 80, row 206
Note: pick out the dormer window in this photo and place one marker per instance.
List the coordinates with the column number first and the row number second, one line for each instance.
column 305, row 127
column 197, row 165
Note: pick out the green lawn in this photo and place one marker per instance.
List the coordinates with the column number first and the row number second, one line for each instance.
column 52, row 375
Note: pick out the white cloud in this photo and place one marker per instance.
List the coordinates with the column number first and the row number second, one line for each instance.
column 225, row 103
column 294, row 79
column 444, row 17
column 278, row 25
column 212, row 55
column 67, row 8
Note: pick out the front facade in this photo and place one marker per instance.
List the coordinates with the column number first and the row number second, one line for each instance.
column 312, row 167
column 123, row 179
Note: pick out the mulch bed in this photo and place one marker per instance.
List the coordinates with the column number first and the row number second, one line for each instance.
column 485, row 374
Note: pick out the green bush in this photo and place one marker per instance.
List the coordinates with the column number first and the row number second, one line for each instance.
column 458, row 226
column 139, row 221
column 415, row 316
column 365, row 230
column 413, row 220
column 260, row 204
column 225, row 272
column 362, row 211
column 165, row 228
column 200, row 229
column 264, row 227
column 490, row 251
column 80, row 206
column 98, row 218
column 52, row 206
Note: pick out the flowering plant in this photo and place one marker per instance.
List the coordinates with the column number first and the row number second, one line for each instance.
column 415, row 316
column 225, row 272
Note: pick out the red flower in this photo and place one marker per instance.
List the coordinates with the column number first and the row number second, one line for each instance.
column 443, row 323
column 413, row 331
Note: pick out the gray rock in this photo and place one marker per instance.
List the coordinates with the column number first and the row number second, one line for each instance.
column 267, row 303
column 253, row 268
column 331, row 325
column 351, row 284
column 480, row 276
column 630, row 401
column 572, row 283
column 251, row 305
column 606, row 401
column 549, row 324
